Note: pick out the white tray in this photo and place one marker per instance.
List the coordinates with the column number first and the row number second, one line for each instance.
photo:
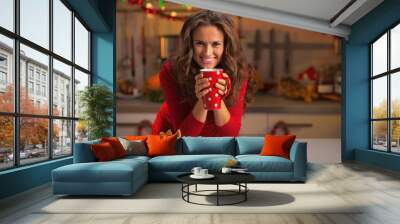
column 208, row 176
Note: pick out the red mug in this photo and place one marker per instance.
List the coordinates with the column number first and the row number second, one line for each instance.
column 212, row 100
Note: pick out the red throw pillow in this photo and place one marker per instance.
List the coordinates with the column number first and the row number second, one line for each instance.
column 277, row 145
column 116, row 145
column 159, row 145
column 103, row 151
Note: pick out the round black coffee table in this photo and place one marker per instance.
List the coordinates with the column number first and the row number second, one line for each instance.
column 238, row 179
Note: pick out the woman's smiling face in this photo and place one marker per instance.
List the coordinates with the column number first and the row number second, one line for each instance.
column 208, row 46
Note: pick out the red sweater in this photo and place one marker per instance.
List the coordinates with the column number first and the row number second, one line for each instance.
column 174, row 114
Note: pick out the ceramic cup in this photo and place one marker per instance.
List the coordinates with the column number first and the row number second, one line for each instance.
column 196, row 171
column 212, row 100
column 203, row 172
column 226, row 170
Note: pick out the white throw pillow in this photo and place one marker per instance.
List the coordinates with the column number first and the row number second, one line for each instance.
column 134, row 147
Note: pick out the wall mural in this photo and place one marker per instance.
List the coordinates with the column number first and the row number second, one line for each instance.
column 298, row 71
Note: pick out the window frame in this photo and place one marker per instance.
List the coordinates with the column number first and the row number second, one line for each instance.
column 16, row 114
column 388, row 74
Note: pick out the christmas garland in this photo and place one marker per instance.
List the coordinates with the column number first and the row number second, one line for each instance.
column 160, row 12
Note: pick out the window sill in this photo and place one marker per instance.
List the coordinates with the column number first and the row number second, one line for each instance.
column 27, row 167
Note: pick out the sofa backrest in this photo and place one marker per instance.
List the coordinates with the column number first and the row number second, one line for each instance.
column 207, row 145
column 249, row 145
column 83, row 152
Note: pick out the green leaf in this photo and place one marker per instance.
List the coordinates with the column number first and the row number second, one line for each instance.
column 96, row 102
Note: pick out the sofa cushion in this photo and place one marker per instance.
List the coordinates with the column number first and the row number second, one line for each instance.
column 111, row 171
column 185, row 163
column 207, row 145
column 131, row 158
column 257, row 163
column 249, row 145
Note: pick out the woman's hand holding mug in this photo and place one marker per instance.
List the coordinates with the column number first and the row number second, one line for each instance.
column 201, row 86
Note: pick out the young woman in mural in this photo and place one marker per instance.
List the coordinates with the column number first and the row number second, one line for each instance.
column 207, row 41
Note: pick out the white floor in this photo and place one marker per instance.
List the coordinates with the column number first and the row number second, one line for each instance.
column 377, row 189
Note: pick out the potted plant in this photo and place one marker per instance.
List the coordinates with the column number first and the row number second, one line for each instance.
column 96, row 102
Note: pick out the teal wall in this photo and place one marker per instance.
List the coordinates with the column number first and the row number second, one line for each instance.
column 24, row 178
column 103, row 53
column 99, row 16
column 356, row 86
column 380, row 159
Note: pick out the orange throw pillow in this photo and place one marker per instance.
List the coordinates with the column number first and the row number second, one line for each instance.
column 103, row 151
column 116, row 145
column 277, row 145
column 135, row 137
column 159, row 145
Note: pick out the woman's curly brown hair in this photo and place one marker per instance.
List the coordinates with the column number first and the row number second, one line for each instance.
column 233, row 60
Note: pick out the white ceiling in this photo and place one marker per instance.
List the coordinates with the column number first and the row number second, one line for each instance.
column 314, row 15
column 321, row 9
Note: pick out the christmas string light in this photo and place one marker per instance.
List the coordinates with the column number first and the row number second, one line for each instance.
column 150, row 9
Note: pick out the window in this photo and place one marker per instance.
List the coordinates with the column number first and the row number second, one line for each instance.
column 37, row 75
column 30, row 87
column 81, row 45
column 34, row 22
column 6, row 89
column 62, row 75
column 81, row 81
column 385, row 94
column 30, row 72
column 3, row 72
column 3, row 61
column 63, row 143
column 43, row 77
column 38, row 89
column 62, row 30
column 54, row 125
column 55, row 95
column 7, row 14
column 43, row 90
column 7, row 143
column 3, row 78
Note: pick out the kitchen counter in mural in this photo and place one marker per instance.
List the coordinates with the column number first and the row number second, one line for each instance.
column 261, row 104
column 305, row 120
